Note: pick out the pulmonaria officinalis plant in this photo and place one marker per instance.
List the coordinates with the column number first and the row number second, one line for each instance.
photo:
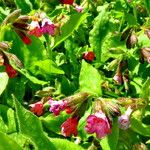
column 75, row 66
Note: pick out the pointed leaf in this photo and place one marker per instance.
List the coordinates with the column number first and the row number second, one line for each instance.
column 6, row 143
column 90, row 79
column 69, row 27
column 30, row 126
column 3, row 81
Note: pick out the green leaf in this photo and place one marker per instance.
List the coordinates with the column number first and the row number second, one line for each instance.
column 147, row 4
column 53, row 123
column 110, row 142
column 99, row 31
column 3, row 81
column 138, row 126
column 73, row 23
column 65, row 144
column 35, row 3
column 90, row 79
column 145, row 92
column 8, row 119
column 30, row 126
column 30, row 77
column 45, row 67
column 24, row 5
column 23, row 141
column 6, row 143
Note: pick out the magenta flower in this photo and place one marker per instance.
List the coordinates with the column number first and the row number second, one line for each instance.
column 99, row 124
column 79, row 8
column 37, row 108
column 48, row 27
column 118, row 78
column 57, row 106
column 124, row 120
column 69, row 127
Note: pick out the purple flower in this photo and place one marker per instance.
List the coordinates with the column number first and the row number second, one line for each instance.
column 124, row 120
column 57, row 106
column 79, row 8
column 99, row 124
column 48, row 27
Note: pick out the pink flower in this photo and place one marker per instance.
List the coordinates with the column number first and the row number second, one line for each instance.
column 10, row 71
column 123, row 120
column 36, row 32
column 37, row 108
column 35, row 29
column 48, row 27
column 98, row 123
column 118, row 78
column 79, row 8
column 57, row 106
column 69, row 127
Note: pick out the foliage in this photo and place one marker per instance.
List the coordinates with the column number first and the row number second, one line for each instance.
column 84, row 58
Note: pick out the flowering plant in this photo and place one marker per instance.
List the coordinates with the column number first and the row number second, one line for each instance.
column 74, row 74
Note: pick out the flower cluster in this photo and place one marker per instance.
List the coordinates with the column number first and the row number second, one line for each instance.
column 41, row 25
column 73, row 106
column 100, row 122
column 36, row 25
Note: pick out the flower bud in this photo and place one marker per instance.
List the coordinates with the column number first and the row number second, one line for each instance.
column 13, row 58
column 10, row 71
column 125, row 34
column 11, row 17
column 118, row 78
column 79, row 8
column 1, row 59
column 88, row 56
column 145, row 52
column 21, row 26
column 76, row 98
column 4, row 46
column 25, row 39
column 108, row 106
column 37, row 108
column 131, row 41
column 23, row 18
column 123, row 120
column 147, row 32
